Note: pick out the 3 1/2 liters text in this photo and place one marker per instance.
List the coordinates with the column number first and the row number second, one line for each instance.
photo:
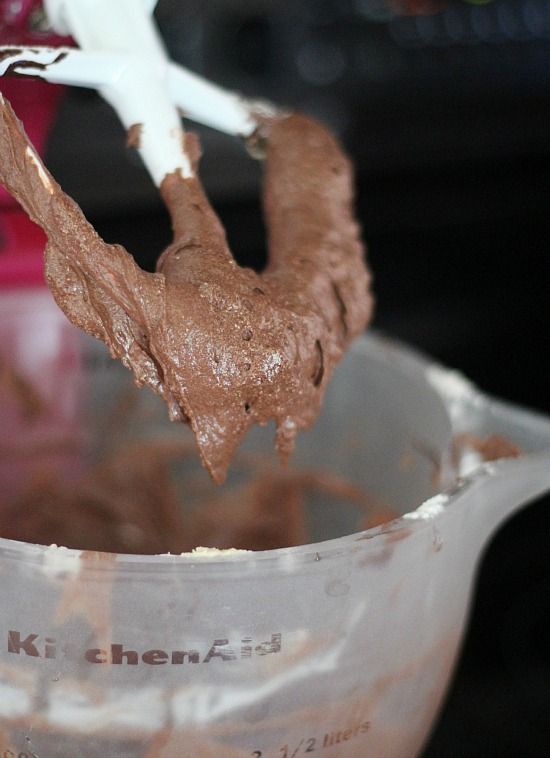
column 308, row 745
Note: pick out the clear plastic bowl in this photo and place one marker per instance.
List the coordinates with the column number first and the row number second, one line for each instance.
column 343, row 646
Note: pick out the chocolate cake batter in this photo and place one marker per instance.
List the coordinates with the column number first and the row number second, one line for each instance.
column 129, row 503
column 224, row 346
column 493, row 447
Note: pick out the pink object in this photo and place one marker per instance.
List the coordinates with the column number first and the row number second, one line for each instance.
column 38, row 344
column 22, row 242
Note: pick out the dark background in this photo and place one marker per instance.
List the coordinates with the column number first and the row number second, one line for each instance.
column 445, row 109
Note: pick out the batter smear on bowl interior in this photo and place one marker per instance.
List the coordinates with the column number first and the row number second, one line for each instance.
column 224, row 346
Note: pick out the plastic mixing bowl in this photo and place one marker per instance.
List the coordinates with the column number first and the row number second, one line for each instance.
column 342, row 647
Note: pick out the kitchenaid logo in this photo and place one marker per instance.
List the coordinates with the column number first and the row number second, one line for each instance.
column 116, row 654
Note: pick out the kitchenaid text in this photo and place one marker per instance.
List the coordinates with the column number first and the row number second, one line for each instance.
column 37, row 646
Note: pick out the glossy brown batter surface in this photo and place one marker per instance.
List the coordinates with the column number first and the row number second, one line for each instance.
column 224, row 346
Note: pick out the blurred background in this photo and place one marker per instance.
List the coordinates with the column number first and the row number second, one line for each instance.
column 445, row 109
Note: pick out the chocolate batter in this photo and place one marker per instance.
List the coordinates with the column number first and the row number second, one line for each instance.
column 128, row 503
column 490, row 448
column 224, row 346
